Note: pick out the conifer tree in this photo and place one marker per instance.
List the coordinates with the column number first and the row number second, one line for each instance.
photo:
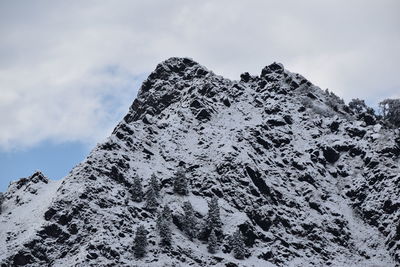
column 165, row 234
column 164, row 221
column 164, row 216
column 137, row 189
column 181, row 183
column 140, row 242
column 189, row 220
column 237, row 244
column 212, row 243
column 213, row 218
column 155, row 184
column 151, row 201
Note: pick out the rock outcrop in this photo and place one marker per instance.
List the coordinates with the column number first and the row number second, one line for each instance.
column 305, row 181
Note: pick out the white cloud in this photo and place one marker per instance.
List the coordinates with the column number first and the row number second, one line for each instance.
column 69, row 70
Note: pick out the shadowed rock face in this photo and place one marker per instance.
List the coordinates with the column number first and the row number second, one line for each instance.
column 303, row 179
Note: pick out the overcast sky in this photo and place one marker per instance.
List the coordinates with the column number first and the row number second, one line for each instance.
column 70, row 69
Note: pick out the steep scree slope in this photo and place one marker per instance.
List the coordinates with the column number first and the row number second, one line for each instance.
column 307, row 181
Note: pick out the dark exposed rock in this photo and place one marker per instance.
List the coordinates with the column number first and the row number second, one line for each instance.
column 22, row 258
column 204, row 114
column 207, row 90
column 316, row 206
column 307, row 178
column 262, row 218
column 51, row 230
column 38, row 177
column 294, row 85
column 298, row 165
column 49, row 213
column 389, row 207
column 372, row 164
column 245, row 77
column 334, row 126
column 196, row 104
column 201, row 72
column 288, row 119
column 302, row 109
column 371, row 216
column 356, row 132
column 343, row 147
column 258, row 181
column 356, row 151
column 145, row 120
column 227, row 102
column 397, row 141
column 311, row 95
column 116, row 175
column 397, row 233
column 390, row 151
column 275, row 122
column 178, row 221
column 273, row 68
column 21, row 182
column 267, row 256
column 330, row 154
column 280, row 141
column 64, row 219
column 109, row 146
column 148, row 152
column 272, row 110
column 249, row 234
column 262, row 142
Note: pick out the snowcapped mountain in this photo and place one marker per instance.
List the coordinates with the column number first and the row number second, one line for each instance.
column 306, row 180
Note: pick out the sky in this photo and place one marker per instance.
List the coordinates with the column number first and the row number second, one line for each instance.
column 70, row 69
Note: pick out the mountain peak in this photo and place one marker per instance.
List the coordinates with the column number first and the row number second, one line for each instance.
column 185, row 67
column 178, row 63
column 273, row 68
column 35, row 178
column 293, row 174
column 167, row 84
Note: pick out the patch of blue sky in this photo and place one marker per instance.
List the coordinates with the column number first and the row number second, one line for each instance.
column 55, row 160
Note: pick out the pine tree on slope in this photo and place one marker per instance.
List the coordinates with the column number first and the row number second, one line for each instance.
column 164, row 221
column 164, row 216
column 151, row 201
column 165, row 234
column 237, row 244
column 140, row 242
column 137, row 189
column 155, row 185
column 212, row 243
column 181, row 183
column 213, row 219
column 189, row 220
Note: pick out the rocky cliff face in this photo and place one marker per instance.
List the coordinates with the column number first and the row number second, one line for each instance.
column 307, row 181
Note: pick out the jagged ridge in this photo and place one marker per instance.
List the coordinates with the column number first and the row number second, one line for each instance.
column 291, row 164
